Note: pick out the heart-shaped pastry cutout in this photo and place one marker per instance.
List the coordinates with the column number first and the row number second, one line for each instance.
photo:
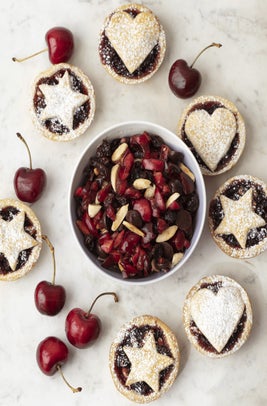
column 217, row 315
column 211, row 135
column 133, row 38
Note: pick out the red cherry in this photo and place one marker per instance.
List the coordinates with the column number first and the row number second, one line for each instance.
column 82, row 327
column 60, row 46
column 51, row 354
column 49, row 298
column 184, row 80
column 29, row 183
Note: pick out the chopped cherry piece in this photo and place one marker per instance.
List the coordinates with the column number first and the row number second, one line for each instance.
column 179, row 240
column 153, row 164
column 142, row 141
column 126, row 166
column 187, row 183
column 144, row 208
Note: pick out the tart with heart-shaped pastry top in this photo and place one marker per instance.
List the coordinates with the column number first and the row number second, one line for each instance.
column 20, row 239
column 238, row 216
column 144, row 359
column 214, row 130
column 63, row 102
column 217, row 316
column 132, row 44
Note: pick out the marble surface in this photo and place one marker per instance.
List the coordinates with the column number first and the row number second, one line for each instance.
column 238, row 72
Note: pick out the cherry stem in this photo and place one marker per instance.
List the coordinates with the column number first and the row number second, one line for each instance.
column 28, row 149
column 52, row 249
column 74, row 390
column 116, row 299
column 214, row 44
column 29, row 57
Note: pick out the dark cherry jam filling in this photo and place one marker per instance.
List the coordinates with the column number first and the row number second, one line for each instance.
column 203, row 341
column 135, row 336
column 210, row 107
column 109, row 56
column 7, row 214
column 81, row 114
column 234, row 191
column 138, row 256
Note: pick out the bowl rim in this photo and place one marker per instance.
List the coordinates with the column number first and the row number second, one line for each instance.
column 80, row 165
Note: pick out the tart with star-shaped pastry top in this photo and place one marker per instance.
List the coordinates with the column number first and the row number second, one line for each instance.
column 214, row 130
column 144, row 359
column 20, row 239
column 217, row 316
column 238, row 216
column 132, row 44
column 63, row 103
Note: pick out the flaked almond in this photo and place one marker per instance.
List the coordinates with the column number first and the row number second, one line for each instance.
column 119, row 152
column 172, row 199
column 187, row 171
column 113, row 176
column 120, row 266
column 167, row 234
column 96, row 171
column 177, row 258
column 141, row 183
column 150, row 191
column 93, row 209
column 121, row 213
column 134, row 229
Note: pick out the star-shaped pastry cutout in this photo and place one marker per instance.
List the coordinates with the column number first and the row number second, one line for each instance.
column 239, row 217
column 14, row 239
column 146, row 363
column 61, row 101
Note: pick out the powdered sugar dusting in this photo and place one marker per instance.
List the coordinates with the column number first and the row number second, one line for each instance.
column 133, row 39
column 132, row 44
column 63, row 102
column 238, row 209
column 211, row 135
column 216, row 313
column 151, row 347
column 15, row 240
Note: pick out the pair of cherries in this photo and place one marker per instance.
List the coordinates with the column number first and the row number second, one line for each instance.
column 82, row 327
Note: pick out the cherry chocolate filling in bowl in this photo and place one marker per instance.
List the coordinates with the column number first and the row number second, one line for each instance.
column 136, row 205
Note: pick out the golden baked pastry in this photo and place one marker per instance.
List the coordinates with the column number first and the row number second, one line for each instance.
column 63, row 102
column 20, row 239
column 217, row 316
column 144, row 359
column 214, row 130
column 238, row 216
column 132, row 43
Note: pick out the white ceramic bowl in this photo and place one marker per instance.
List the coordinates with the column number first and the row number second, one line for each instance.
column 128, row 129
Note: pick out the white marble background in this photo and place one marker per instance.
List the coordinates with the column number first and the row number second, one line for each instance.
column 237, row 71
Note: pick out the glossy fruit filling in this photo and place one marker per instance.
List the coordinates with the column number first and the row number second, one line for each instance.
column 81, row 114
column 234, row 191
column 136, row 205
column 109, row 56
column 7, row 214
column 135, row 337
column 210, row 107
